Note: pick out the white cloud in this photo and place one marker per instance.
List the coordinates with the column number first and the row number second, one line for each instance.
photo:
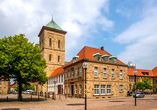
column 141, row 39
column 77, row 17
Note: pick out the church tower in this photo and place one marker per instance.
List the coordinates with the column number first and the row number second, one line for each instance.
column 52, row 46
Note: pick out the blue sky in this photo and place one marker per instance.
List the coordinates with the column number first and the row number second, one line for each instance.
column 126, row 28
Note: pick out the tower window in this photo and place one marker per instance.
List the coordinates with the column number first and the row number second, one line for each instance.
column 50, row 42
column 58, row 58
column 50, row 57
column 58, row 43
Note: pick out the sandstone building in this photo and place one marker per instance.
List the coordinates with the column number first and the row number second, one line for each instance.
column 107, row 76
column 52, row 46
column 4, row 85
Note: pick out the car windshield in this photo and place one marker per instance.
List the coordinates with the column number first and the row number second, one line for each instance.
column 138, row 93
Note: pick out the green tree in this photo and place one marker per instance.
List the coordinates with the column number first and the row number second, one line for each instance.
column 145, row 84
column 21, row 60
column 25, row 87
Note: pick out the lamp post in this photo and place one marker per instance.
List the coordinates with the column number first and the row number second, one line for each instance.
column 135, row 72
column 85, row 66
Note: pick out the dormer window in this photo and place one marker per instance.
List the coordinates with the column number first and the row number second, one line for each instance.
column 75, row 58
column 113, row 59
column 97, row 56
column 105, row 57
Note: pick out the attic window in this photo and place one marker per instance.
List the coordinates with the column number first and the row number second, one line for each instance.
column 105, row 57
column 75, row 58
column 97, row 56
column 145, row 73
column 113, row 59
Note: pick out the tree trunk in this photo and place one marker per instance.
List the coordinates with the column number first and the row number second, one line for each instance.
column 19, row 82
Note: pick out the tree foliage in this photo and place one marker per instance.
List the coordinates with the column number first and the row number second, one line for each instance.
column 145, row 84
column 21, row 60
column 25, row 87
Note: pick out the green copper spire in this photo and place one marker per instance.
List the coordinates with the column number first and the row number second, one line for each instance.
column 53, row 25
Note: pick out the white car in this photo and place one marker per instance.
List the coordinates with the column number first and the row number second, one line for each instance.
column 28, row 91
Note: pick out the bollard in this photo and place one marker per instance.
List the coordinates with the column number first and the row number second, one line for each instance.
column 38, row 97
column 7, row 98
column 59, row 96
column 53, row 95
column 45, row 96
column 31, row 97
column 48, row 95
column 65, row 96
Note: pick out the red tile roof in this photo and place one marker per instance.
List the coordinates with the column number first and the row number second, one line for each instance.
column 139, row 72
column 154, row 71
column 87, row 53
column 13, row 85
column 57, row 71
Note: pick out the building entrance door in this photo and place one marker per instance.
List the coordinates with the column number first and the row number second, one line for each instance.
column 72, row 90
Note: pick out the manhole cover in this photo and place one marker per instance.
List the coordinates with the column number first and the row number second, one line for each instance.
column 116, row 101
column 74, row 104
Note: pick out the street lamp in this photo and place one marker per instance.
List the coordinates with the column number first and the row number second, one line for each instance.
column 135, row 72
column 85, row 66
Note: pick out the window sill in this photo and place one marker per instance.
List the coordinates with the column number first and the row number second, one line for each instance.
column 121, row 78
column 95, row 77
column 112, row 78
column 105, row 78
column 120, row 91
column 96, row 94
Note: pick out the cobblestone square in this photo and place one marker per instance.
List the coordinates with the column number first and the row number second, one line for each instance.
column 121, row 103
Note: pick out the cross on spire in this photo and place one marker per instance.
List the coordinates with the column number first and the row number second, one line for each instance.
column 52, row 17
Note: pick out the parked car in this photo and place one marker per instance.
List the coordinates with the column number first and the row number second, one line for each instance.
column 139, row 94
column 28, row 91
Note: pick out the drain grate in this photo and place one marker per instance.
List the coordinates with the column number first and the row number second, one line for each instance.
column 76, row 104
column 116, row 101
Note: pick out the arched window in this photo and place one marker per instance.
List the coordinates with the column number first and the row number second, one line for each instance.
column 58, row 43
column 50, row 57
column 58, row 58
column 50, row 42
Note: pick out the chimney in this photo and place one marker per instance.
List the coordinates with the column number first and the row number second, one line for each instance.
column 102, row 48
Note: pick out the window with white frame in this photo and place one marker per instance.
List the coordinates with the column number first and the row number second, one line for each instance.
column 120, row 74
column 96, row 89
column 96, row 72
column 107, row 59
column 0, row 88
column 4, row 82
column 68, row 74
column 104, row 72
column 80, row 72
column 112, row 73
column 75, row 72
column 65, row 76
column 102, row 89
column 4, row 88
column 80, row 89
column 121, row 88
column 108, row 89
column 75, row 89
column 72, row 73
column 68, row 89
column 59, row 78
